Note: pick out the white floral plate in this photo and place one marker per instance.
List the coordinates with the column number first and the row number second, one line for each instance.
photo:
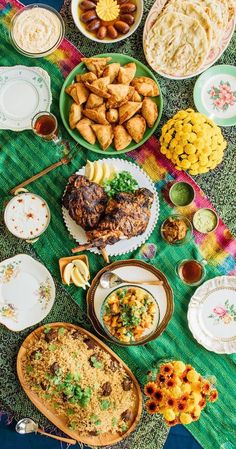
column 212, row 314
column 27, row 292
column 214, row 94
column 24, row 91
column 215, row 52
column 123, row 246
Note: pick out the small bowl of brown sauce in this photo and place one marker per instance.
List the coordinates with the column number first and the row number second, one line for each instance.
column 176, row 230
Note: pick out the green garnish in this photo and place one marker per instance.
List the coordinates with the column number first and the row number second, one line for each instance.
column 29, row 369
column 105, row 404
column 95, row 420
column 56, row 405
column 122, row 182
column 70, row 411
column 96, row 363
column 61, row 330
column 73, row 426
column 74, row 355
column 38, row 355
column 124, row 427
column 114, row 422
column 47, row 329
column 47, row 396
column 52, row 347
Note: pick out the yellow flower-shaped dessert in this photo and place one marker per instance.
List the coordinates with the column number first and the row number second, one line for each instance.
column 192, row 142
column 107, row 9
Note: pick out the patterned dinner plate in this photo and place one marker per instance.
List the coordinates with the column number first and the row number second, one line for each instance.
column 27, row 292
column 215, row 94
column 214, row 54
column 212, row 314
column 123, row 246
column 24, row 91
column 132, row 270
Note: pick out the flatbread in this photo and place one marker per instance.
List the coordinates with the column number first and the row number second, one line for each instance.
column 196, row 11
column 176, row 44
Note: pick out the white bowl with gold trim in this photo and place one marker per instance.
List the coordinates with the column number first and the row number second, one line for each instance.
column 75, row 11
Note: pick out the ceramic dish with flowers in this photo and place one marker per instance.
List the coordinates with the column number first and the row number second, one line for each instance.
column 178, row 392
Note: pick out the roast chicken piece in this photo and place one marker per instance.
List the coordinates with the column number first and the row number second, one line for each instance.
column 86, row 201
column 126, row 215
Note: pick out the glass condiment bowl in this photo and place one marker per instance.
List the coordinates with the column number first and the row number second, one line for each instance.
column 49, row 50
column 185, row 185
column 198, row 213
column 188, row 235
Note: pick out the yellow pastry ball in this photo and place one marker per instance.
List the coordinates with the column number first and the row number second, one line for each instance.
column 192, row 376
column 179, row 366
column 185, row 418
column 169, row 414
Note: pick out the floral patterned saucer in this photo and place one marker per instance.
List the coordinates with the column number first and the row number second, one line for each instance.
column 215, row 94
column 212, row 315
column 27, row 292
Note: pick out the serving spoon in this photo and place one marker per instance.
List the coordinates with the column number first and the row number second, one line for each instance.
column 110, row 279
column 28, row 425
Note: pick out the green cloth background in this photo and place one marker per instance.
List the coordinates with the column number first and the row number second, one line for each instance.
column 23, row 154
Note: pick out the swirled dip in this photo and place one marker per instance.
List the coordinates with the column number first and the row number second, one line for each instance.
column 27, row 216
column 36, row 30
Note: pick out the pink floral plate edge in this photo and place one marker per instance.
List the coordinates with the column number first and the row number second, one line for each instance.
column 213, row 56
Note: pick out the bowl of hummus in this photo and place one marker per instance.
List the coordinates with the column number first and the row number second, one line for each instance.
column 36, row 30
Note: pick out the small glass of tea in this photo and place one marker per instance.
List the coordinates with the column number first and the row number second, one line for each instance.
column 191, row 271
column 45, row 125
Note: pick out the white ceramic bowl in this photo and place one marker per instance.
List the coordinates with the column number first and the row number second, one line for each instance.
column 81, row 28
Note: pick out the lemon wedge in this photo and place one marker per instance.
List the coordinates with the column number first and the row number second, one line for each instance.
column 67, row 273
column 89, row 170
column 77, row 278
column 98, row 172
column 82, row 267
column 107, row 9
column 112, row 172
column 106, row 171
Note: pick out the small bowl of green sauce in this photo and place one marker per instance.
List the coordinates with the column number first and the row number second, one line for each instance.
column 181, row 193
column 205, row 220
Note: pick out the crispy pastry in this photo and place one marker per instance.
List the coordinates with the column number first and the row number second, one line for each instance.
column 128, row 110
column 145, row 86
column 74, row 115
column 94, row 101
column 104, row 135
column 112, row 70
column 136, row 127
column 112, row 115
column 99, row 87
column 121, row 138
column 136, row 96
column 85, row 129
column 127, row 73
column 96, row 65
column 149, row 111
column 98, row 115
column 86, row 201
column 89, row 77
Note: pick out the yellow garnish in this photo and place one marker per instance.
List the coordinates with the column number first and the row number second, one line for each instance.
column 107, row 9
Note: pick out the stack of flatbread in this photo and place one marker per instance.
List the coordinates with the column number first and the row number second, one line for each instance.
column 111, row 104
column 184, row 34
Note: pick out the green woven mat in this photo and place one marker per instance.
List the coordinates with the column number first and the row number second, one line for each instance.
column 23, row 154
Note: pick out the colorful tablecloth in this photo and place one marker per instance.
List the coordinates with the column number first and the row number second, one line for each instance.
column 22, row 155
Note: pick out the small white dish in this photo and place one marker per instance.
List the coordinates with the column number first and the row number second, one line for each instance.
column 24, row 91
column 82, row 29
column 212, row 315
column 123, row 246
column 27, row 292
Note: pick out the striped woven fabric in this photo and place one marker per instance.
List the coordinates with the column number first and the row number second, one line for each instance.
column 23, row 154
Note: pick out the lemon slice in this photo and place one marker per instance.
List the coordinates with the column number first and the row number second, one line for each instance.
column 77, row 278
column 107, row 9
column 98, row 172
column 106, row 171
column 89, row 170
column 82, row 267
column 67, row 273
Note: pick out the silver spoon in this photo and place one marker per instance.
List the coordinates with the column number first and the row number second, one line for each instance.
column 110, row 279
column 27, row 425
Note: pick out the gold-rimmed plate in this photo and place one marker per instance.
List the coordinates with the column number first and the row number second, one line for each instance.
column 131, row 270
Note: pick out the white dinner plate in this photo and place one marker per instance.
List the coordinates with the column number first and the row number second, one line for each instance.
column 127, row 245
column 24, row 91
column 212, row 314
column 27, row 292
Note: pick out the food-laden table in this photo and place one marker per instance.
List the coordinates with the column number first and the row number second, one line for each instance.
column 23, row 154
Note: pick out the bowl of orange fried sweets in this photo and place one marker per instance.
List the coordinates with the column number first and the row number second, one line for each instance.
column 178, row 392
